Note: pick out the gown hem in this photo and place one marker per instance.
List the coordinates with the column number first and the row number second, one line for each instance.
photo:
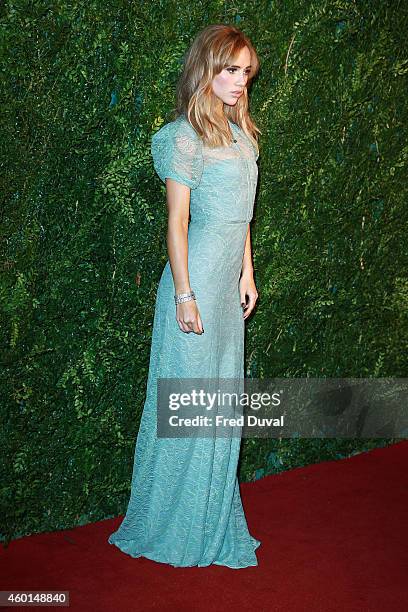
column 154, row 557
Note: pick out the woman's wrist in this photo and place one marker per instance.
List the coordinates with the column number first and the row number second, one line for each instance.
column 182, row 289
column 186, row 296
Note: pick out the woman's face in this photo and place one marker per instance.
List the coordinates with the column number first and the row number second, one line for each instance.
column 229, row 84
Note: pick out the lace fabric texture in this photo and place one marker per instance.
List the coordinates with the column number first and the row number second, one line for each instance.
column 185, row 507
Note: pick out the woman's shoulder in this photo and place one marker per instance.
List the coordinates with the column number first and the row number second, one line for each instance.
column 179, row 128
column 177, row 152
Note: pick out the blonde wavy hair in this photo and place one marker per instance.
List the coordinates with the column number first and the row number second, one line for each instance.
column 213, row 49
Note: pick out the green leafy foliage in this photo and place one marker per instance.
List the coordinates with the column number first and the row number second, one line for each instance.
column 83, row 232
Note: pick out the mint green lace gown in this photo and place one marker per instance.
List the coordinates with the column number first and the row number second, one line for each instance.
column 185, row 506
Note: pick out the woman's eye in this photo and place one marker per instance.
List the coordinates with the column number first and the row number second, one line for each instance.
column 232, row 70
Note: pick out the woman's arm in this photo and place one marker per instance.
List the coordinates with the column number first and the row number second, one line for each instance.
column 247, row 267
column 246, row 284
column 178, row 206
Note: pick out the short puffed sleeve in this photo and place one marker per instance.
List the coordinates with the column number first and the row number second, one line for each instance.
column 177, row 153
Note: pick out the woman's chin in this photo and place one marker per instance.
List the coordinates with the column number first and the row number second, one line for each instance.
column 231, row 102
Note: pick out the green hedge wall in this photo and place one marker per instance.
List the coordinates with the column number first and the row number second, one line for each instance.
column 85, row 85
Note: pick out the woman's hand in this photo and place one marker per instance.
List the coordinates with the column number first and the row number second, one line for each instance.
column 188, row 317
column 248, row 290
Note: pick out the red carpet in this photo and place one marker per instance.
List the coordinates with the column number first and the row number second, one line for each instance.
column 334, row 538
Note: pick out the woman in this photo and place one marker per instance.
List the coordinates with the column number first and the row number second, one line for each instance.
column 185, row 507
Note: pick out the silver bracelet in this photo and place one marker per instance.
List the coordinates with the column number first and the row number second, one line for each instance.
column 179, row 298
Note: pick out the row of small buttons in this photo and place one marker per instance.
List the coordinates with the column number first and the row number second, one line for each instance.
column 248, row 186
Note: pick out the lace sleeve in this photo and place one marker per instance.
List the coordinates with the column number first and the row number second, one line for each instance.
column 177, row 153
